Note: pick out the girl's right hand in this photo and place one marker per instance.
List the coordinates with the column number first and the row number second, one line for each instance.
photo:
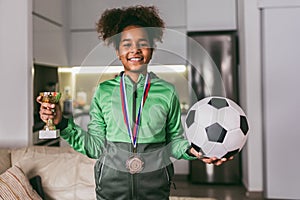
column 49, row 111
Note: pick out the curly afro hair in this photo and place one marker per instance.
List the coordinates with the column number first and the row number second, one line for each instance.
column 113, row 21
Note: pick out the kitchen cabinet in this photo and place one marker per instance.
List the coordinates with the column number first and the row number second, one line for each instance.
column 50, row 36
column 49, row 43
column 211, row 15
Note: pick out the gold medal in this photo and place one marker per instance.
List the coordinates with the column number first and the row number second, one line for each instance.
column 134, row 164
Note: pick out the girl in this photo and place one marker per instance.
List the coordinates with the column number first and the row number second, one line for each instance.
column 135, row 124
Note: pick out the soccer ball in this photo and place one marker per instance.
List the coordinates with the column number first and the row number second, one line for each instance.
column 216, row 127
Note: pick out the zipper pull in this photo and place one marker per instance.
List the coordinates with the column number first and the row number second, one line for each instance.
column 135, row 90
column 173, row 184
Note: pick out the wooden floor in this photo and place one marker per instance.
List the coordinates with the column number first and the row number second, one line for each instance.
column 219, row 192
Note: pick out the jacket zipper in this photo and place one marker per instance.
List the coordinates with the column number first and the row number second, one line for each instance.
column 133, row 177
column 168, row 177
column 101, row 171
column 169, row 180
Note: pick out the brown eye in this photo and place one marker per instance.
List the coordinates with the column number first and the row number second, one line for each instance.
column 126, row 45
column 144, row 45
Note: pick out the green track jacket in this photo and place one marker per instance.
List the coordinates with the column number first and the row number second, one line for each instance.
column 160, row 137
column 160, row 120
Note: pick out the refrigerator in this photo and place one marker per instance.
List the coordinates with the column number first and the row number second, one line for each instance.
column 212, row 61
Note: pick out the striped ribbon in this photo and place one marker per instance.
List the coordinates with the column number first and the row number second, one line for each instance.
column 133, row 134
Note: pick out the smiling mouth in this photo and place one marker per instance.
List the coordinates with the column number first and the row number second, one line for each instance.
column 135, row 59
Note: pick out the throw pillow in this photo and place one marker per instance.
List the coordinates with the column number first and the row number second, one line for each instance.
column 15, row 185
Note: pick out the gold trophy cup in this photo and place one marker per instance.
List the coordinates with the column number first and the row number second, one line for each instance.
column 49, row 131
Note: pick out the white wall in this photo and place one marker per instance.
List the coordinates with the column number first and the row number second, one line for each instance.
column 15, row 73
column 281, row 97
column 250, row 92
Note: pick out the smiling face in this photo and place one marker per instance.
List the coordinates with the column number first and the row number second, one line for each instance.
column 134, row 50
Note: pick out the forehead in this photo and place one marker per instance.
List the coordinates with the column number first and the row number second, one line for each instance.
column 134, row 33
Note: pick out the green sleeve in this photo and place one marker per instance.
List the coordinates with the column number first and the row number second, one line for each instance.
column 89, row 142
column 175, row 137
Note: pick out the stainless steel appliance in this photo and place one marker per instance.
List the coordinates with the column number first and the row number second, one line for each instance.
column 213, row 70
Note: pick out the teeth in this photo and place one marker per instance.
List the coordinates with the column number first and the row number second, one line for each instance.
column 135, row 59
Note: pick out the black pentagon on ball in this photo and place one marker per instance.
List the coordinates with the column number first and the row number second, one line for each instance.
column 218, row 103
column 244, row 125
column 216, row 133
column 230, row 153
column 190, row 118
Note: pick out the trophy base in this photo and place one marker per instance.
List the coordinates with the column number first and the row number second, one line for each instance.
column 49, row 134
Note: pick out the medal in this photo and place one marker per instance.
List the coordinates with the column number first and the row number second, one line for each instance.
column 134, row 164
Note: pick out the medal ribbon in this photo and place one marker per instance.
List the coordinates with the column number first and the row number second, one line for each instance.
column 133, row 134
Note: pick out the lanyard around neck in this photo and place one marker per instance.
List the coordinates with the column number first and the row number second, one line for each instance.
column 133, row 133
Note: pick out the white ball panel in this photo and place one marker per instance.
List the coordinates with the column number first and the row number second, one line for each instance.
column 206, row 115
column 217, row 150
column 191, row 131
column 229, row 118
column 234, row 140
column 207, row 147
column 200, row 138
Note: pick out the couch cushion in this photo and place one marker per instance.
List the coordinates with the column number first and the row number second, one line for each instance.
column 5, row 161
column 15, row 185
column 19, row 154
column 65, row 173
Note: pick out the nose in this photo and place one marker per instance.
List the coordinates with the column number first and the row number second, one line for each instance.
column 135, row 48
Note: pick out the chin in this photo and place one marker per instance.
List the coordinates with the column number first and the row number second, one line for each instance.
column 137, row 69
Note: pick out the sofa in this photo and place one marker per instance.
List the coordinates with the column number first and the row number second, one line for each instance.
column 44, row 172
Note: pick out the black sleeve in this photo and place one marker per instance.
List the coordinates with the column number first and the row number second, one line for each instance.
column 63, row 124
column 188, row 151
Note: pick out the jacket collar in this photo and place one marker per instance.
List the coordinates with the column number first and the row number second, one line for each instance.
column 141, row 78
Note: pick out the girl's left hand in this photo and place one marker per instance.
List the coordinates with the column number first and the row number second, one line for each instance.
column 214, row 160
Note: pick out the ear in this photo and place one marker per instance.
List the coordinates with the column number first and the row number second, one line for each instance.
column 152, row 49
column 118, row 54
